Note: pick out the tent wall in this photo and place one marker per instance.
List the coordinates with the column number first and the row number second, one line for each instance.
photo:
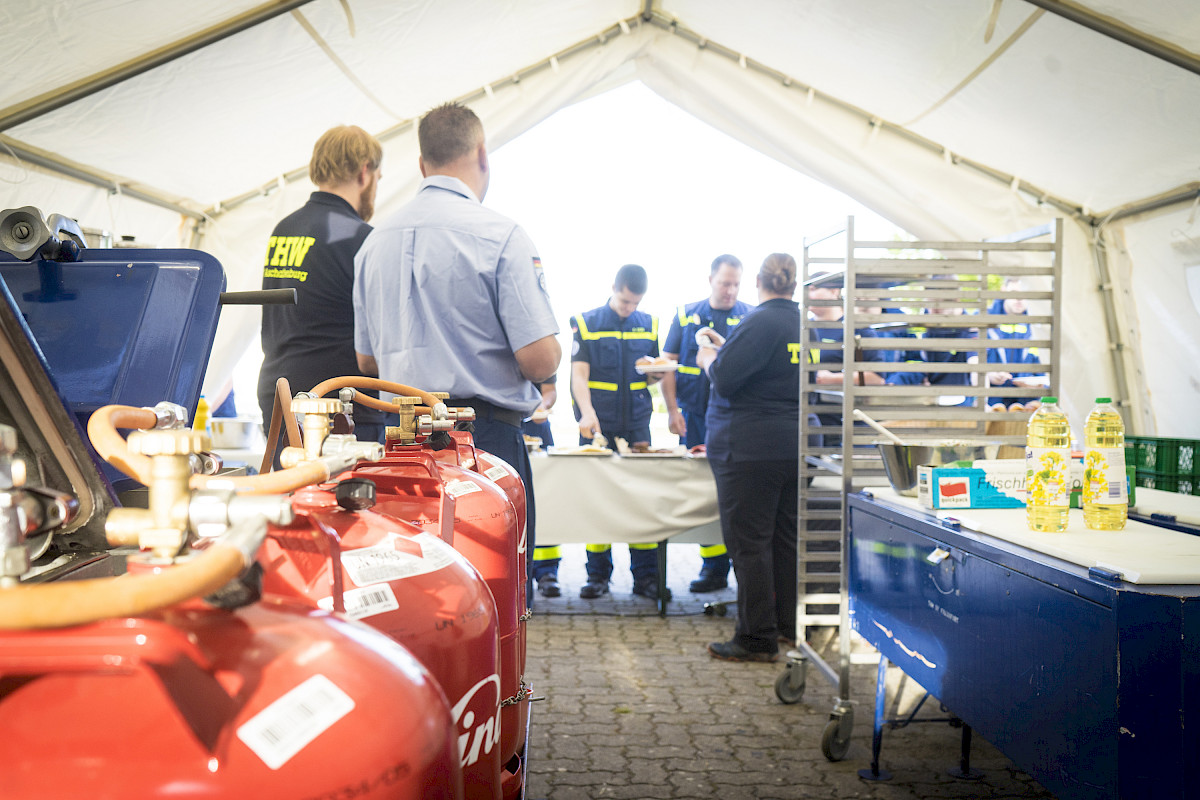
column 1153, row 255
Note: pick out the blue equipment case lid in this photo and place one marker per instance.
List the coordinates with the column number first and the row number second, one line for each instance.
column 126, row 326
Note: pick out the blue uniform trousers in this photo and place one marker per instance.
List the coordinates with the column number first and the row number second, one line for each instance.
column 757, row 500
column 508, row 443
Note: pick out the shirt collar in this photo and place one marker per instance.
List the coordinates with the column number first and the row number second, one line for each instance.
column 450, row 184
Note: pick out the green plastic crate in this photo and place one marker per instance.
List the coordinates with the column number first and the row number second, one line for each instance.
column 1163, row 456
column 1153, row 480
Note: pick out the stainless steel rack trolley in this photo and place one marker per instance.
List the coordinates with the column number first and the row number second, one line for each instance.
column 917, row 321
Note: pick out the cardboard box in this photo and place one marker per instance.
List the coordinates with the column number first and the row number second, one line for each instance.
column 996, row 483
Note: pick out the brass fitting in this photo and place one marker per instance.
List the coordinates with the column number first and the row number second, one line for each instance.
column 161, row 528
column 316, row 411
column 406, row 431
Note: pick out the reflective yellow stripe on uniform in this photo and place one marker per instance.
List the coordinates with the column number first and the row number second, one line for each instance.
column 597, row 548
column 605, row 386
column 712, row 550
column 587, row 335
column 547, row 553
column 642, row 546
column 689, row 370
column 684, row 319
column 1018, row 328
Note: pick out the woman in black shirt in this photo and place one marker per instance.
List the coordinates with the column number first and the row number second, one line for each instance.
column 753, row 433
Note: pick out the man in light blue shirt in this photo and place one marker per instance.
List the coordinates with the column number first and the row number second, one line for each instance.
column 450, row 296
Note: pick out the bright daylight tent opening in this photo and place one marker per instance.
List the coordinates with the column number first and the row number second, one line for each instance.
column 954, row 120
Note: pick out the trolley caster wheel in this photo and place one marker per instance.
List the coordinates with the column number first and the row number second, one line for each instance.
column 834, row 742
column 790, row 685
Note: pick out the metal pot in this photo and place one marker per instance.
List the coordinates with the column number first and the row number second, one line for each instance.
column 900, row 461
column 234, row 433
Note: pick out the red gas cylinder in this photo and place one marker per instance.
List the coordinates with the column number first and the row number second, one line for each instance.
column 411, row 481
column 412, row 586
column 265, row 701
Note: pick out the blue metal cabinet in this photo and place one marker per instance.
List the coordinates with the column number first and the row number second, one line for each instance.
column 1087, row 684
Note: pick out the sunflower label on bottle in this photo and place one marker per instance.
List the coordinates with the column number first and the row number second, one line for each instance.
column 1046, row 476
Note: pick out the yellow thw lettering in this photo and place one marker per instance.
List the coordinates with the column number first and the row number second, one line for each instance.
column 270, row 247
column 282, row 244
column 794, row 352
column 300, row 250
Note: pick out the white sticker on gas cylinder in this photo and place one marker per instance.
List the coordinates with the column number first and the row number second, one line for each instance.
column 496, row 473
column 368, row 602
column 461, row 487
column 390, row 562
column 284, row 728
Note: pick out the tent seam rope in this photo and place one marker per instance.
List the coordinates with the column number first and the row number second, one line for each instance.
column 337, row 62
column 987, row 62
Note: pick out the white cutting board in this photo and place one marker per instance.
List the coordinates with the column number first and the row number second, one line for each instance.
column 1184, row 507
column 1142, row 553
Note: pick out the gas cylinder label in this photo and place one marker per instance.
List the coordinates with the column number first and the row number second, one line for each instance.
column 496, row 473
column 361, row 603
column 284, row 728
column 382, row 563
column 461, row 487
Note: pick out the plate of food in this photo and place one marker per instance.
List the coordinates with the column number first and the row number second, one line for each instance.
column 540, row 415
column 644, row 450
column 657, row 366
column 533, row 443
column 581, row 450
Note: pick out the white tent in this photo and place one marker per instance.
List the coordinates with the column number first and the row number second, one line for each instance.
column 189, row 124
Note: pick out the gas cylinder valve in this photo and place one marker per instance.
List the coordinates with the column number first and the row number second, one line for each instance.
column 163, row 526
column 316, row 412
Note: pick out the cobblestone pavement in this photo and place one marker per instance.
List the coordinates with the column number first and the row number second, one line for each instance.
column 635, row 708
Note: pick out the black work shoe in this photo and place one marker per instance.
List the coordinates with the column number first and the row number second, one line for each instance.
column 593, row 589
column 648, row 587
column 548, row 586
column 732, row 651
column 708, row 582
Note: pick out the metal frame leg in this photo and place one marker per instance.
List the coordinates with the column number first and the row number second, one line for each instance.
column 963, row 771
column 875, row 773
column 662, row 578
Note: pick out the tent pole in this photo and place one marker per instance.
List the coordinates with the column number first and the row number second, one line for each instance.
column 50, row 101
column 1124, row 395
column 1122, row 33
column 53, row 163
column 1184, row 194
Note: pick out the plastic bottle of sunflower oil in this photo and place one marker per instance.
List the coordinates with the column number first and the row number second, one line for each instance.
column 1047, row 465
column 1105, row 496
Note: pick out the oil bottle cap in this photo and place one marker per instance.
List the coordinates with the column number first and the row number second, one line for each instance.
column 1103, row 399
column 1049, row 399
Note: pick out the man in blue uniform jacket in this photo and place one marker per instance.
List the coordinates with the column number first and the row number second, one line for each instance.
column 686, row 391
column 611, row 397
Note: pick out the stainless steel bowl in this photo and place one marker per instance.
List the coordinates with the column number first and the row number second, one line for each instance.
column 901, row 461
column 234, row 433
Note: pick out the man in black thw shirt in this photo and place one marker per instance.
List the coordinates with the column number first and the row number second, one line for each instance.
column 312, row 250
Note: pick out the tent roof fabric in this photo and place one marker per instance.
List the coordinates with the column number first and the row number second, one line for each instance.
column 955, row 118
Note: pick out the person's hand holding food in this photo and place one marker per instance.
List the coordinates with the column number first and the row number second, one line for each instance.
column 647, row 361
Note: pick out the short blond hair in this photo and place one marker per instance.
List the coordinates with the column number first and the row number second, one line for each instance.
column 341, row 152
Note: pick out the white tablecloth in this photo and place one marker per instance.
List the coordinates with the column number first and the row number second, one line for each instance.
column 603, row 499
